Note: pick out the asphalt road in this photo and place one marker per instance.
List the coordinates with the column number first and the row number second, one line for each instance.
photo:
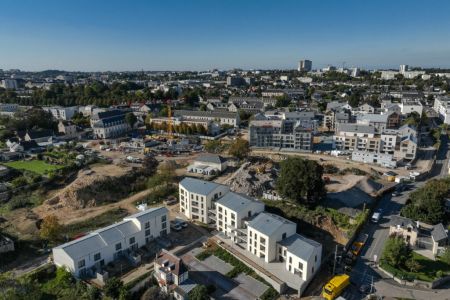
column 362, row 272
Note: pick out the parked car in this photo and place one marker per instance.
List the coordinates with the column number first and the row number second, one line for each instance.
column 181, row 222
column 175, row 226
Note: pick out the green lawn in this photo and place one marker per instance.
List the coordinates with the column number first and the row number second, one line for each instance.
column 37, row 166
column 426, row 273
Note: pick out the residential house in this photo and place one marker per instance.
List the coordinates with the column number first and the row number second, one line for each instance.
column 404, row 227
column 62, row 113
column 68, row 130
column 87, row 255
column 208, row 164
column 172, row 275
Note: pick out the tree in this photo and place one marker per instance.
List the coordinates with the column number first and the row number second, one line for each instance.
column 154, row 293
column 23, row 288
column 301, row 180
column 413, row 265
column 131, row 119
column 427, row 204
column 445, row 257
column 396, row 252
column 239, row 149
column 113, row 287
column 200, row 292
column 282, row 101
column 50, row 228
column 149, row 165
column 214, row 146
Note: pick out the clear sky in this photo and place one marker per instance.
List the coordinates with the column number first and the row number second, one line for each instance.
column 100, row 35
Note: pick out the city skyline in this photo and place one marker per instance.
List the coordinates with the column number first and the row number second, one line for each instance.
column 202, row 35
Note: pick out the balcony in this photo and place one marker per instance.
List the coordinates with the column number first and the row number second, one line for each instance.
column 212, row 211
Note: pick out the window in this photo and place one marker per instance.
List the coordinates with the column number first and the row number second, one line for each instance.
column 81, row 263
column 164, row 225
column 118, row 246
column 300, row 265
column 97, row 256
column 262, row 240
column 290, row 259
column 147, row 225
column 132, row 240
column 164, row 218
column 312, row 270
column 315, row 258
column 147, row 232
column 279, row 250
column 283, row 236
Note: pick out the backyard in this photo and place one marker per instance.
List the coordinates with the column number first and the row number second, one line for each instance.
column 36, row 166
column 429, row 269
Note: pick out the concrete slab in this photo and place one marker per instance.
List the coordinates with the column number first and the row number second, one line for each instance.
column 252, row 284
column 218, row 264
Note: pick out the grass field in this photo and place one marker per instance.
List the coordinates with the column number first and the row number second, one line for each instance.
column 37, row 166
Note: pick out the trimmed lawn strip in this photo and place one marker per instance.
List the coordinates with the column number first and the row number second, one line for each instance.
column 36, row 166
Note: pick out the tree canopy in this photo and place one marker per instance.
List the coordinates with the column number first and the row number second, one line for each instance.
column 200, row 292
column 301, row 180
column 427, row 204
column 240, row 148
column 50, row 228
column 396, row 252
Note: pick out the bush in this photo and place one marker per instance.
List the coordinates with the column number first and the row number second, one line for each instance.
column 330, row 169
column 204, row 255
column 270, row 294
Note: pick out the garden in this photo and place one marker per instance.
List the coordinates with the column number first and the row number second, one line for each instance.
column 37, row 166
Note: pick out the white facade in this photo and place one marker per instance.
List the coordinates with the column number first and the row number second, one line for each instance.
column 9, row 84
column 409, row 106
column 196, row 197
column 264, row 232
column 87, row 255
column 232, row 211
column 442, row 108
column 62, row 113
column 302, row 256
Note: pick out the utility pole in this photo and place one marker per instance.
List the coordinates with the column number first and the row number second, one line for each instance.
column 335, row 258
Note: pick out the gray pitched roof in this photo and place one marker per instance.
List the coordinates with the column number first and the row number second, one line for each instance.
column 237, row 202
column 210, row 158
column 198, row 186
column 268, row 223
column 300, row 246
column 438, row 233
column 206, row 114
column 402, row 222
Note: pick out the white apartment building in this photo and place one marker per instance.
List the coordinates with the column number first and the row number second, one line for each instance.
column 8, row 109
column 441, row 107
column 302, row 255
column 223, row 118
column 9, row 84
column 409, row 106
column 87, row 255
column 62, row 113
column 264, row 232
column 232, row 211
column 196, row 198
column 268, row 239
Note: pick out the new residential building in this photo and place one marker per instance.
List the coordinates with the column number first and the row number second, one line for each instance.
column 87, row 255
column 197, row 196
column 280, row 134
column 62, row 113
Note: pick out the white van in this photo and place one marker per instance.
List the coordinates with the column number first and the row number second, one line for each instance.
column 376, row 217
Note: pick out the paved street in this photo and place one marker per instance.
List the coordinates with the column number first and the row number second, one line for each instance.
column 362, row 273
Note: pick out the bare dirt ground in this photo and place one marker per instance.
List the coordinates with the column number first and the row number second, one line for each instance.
column 340, row 162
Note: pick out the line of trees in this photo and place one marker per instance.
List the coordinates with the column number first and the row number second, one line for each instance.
column 182, row 128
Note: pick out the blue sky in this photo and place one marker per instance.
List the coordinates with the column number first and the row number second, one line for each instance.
column 91, row 35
